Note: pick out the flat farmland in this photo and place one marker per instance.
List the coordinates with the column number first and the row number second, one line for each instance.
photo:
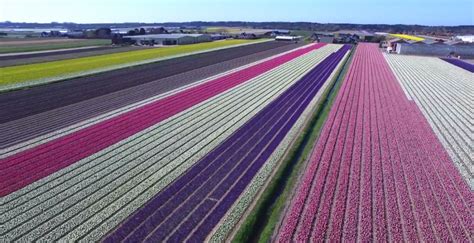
column 211, row 187
column 22, row 103
column 378, row 171
column 195, row 143
column 162, row 109
column 23, row 58
column 7, row 56
column 83, row 112
column 27, row 45
column 126, row 161
column 33, row 74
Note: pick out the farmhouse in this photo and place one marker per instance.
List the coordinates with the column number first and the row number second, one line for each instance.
column 168, row 39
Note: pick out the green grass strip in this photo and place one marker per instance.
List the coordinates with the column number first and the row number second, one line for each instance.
column 17, row 74
column 262, row 221
column 51, row 46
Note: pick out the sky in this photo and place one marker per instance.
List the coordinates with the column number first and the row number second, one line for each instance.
column 424, row 12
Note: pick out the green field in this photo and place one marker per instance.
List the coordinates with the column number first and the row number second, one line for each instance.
column 304, row 33
column 16, row 75
column 51, row 46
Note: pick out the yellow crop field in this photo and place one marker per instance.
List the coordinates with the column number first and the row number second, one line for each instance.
column 408, row 37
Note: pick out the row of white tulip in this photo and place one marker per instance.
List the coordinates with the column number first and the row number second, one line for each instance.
column 444, row 93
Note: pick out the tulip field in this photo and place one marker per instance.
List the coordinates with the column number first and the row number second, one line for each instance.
column 383, row 167
column 462, row 64
column 192, row 206
column 49, row 108
column 21, row 76
column 181, row 165
column 192, row 147
column 445, row 95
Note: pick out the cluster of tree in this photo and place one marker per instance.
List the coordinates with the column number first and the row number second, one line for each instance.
column 99, row 33
column 102, row 33
column 142, row 31
column 136, row 31
column 420, row 29
column 52, row 33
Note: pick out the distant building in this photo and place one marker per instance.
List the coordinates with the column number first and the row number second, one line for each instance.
column 247, row 36
column 348, row 35
column 253, row 34
column 287, row 38
column 346, row 39
column 167, row 39
column 323, row 37
column 122, row 31
column 465, row 38
column 218, row 37
column 279, row 32
column 392, row 43
column 75, row 34
column 442, row 49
